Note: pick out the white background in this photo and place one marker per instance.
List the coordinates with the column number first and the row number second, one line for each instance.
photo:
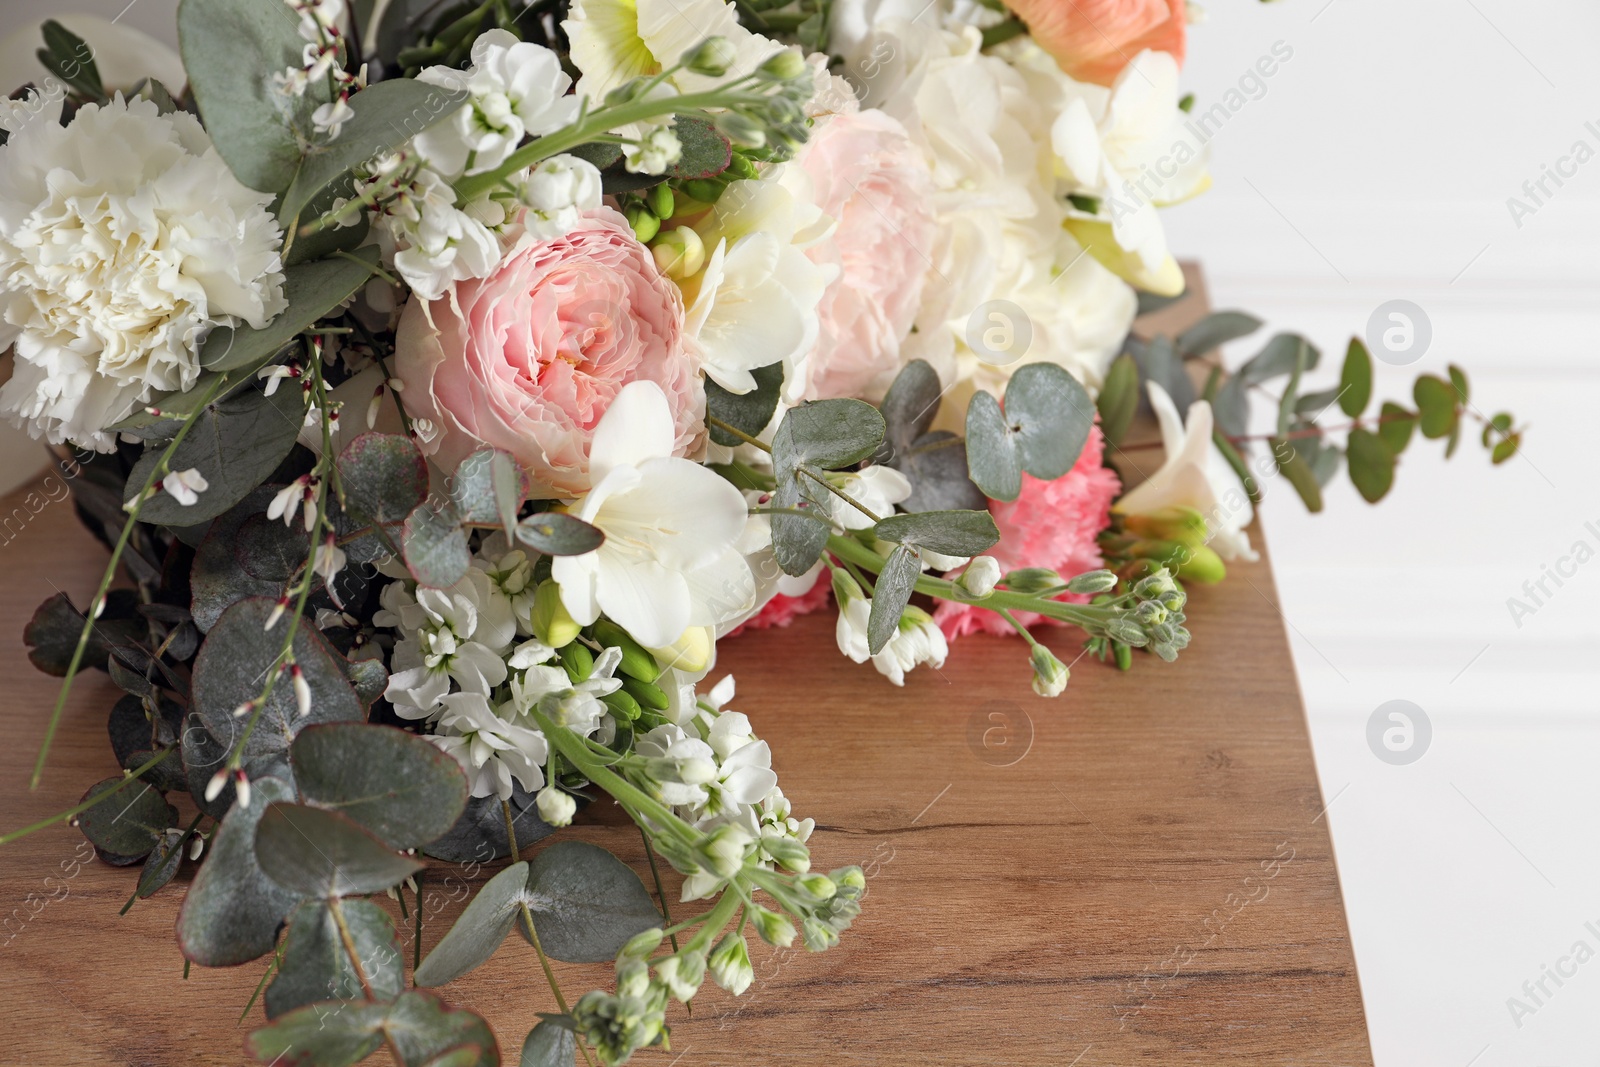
column 1377, row 165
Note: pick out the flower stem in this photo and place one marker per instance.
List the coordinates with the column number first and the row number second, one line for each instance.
column 83, row 806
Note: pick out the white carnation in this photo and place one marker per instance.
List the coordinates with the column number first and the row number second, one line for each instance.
column 124, row 239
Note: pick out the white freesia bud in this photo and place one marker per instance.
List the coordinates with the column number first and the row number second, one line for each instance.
column 980, row 577
column 555, row 807
column 1050, row 675
column 729, row 964
column 679, row 252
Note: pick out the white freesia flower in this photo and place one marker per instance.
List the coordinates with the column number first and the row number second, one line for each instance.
column 615, row 41
column 516, row 89
column 1130, row 147
column 1194, row 475
column 670, row 558
column 459, row 634
column 756, row 301
column 124, row 239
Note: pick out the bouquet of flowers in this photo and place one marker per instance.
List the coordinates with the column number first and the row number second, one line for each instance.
column 447, row 379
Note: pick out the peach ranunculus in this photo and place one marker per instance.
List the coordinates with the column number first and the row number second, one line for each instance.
column 868, row 176
column 529, row 358
column 1094, row 40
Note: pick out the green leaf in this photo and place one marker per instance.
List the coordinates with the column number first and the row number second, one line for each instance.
column 706, row 152
column 556, row 533
column 483, row 925
column 549, row 1045
column 1371, row 465
column 387, row 115
column 952, row 533
column 1355, row 380
column 586, row 903
column 1395, row 424
column 1214, row 331
column 313, row 291
column 236, row 445
column 418, row 1026
column 396, row 784
column 385, row 478
column 1158, row 362
column 316, row 965
column 798, row 539
column 435, row 546
column 69, row 57
column 232, row 667
column 231, row 51
column 161, row 866
column 1497, row 428
column 129, row 824
column 1458, row 379
column 992, row 458
column 1042, row 431
column 1119, row 399
column 831, row 434
column 232, row 910
column 1315, row 404
column 1298, row 471
column 316, row 853
column 890, row 596
column 934, row 461
column 1278, row 358
column 749, row 412
column 908, row 409
column 480, row 834
column 1505, row 448
column 53, row 633
column 1436, row 406
column 489, row 487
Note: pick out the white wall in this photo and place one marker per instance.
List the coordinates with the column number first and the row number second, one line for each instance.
column 1377, row 165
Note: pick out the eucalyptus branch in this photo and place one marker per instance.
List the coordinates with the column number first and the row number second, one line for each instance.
column 83, row 806
column 98, row 603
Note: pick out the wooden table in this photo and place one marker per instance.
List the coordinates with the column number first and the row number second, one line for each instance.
column 1139, row 872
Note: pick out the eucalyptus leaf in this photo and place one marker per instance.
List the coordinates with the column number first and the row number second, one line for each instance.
column 749, row 412
column 951, row 533
column 488, row 487
column 992, row 454
column 830, row 434
column 1298, row 471
column 1051, row 414
column 69, row 57
column 316, row 853
column 1119, row 399
column 482, row 927
column 235, row 445
column 317, row 966
column 218, row 578
column 1395, row 426
column 1231, row 407
column 1371, row 465
column 549, row 1045
column 1278, row 358
column 386, row 116
column 128, row 824
column 1436, row 406
column 479, row 835
column 232, row 50
column 52, row 635
column 1355, row 379
column 890, row 596
column 435, row 546
column 313, row 291
column 232, row 910
column 556, row 533
column 706, row 152
column 1458, row 380
column 936, row 466
column 161, row 866
column 367, row 676
column 1158, row 362
column 798, row 539
column 908, row 409
column 385, row 478
column 1214, row 331
column 396, row 784
column 586, row 903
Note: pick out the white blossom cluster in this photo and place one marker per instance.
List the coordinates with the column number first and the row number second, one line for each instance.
column 322, row 58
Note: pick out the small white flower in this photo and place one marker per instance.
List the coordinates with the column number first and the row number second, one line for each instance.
column 328, row 562
column 302, row 691
column 275, row 373
column 980, row 577
column 330, row 118
column 917, row 640
column 658, row 149
column 287, row 500
column 557, row 193
column 877, row 488
column 556, row 807
column 185, row 486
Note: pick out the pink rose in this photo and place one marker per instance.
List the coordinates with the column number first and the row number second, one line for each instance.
column 868, row 176
column 529, row 358
column 1093, row 40
column 1053, row 524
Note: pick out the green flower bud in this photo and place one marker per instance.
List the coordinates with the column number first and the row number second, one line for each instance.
column 680, row 253
column 773, row 928
column 729, row 964
column 850, row 880
column 1151, row 613
column 1093, row 582
column 551, row 623
column 644, row 222
column 641, row 945
column 682, row 974
column 788, row 853
column 742, row 130
column 661, row 200
column 647, row 694
column 722, row 851
column 818, row 935
column 712, row 58
column 623, row 706
column 1203, row 566
column 1154, row 585
column 1182, row 524
column 845, row 588
column 782, row 66
column 578, row 661
column 818, row 885
column 742, row 167
column 704, row 190
column 977, row 582
column 636, row 661
column 675, row 852
column 1050, row 675
column 1031, row 580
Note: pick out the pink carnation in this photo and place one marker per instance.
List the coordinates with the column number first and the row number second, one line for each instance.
column 529, row 358
column 871, row 179
column 1051, row 524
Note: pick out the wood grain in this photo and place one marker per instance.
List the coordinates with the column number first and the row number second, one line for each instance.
column 1139, row 872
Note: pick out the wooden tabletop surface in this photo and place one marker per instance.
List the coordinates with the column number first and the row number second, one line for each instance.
column 1138, row 872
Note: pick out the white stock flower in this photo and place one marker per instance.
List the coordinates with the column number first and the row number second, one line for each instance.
column 124, row 239
column 517, row 89
column 670, row 559
column 575, row 705
column 557, row 193
column 756, row 301
column 429, row 240
column 458, row 634
column 492, row 749
column 653, row 152
column 877, row 488
column 1194, row 475
column 917, row 640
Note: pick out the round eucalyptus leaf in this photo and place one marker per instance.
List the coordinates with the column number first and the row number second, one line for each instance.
column 549, row 1045
column 556, row 533
column 232, row 910
column 161, row 866
column 1371, row 465
column 586, row 903
column 385, row 478
column 479, row 931
column 398, row 785
column 315, row 853
column 953, row 533
column 435, row 546
column 129, row 823
column 992, row 458
column 479, row 835
column 316, row 964
column 831, row 434
column 748, row 412
column 489, row 487
column 1051, row 414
